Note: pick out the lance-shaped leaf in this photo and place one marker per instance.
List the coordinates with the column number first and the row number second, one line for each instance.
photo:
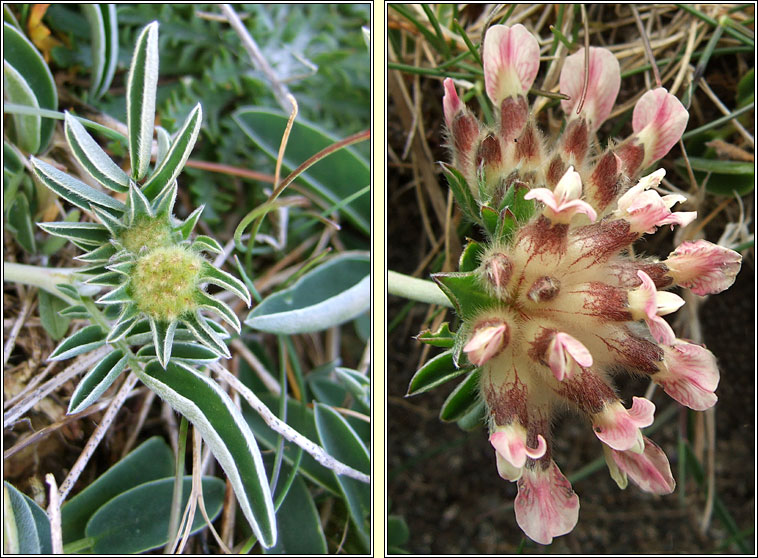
column 126, row 321
column 116, row 296
column 204, row 243
column 164, row 143
column 435, row 372
column 75, row 311
column 190, row 222
column 223, row 428
column 465, row 292
column 104, row 35
column 163, row 204
column 26, row 527
column 163, row 339
column 177, row 155
column 98, row 255
column 26, row 126
column 443, row 337
column 84, row 340
column 73, row 190
column 462, row 399
column 138, row 204
column 96, row 381
column 462, row 192
column 92, row 157
column 141, row 88
column 114, row 226
column 188, row 353
column 329, row 295
column 204, row 333
column 93, row 234
column 219, row 307
column 106, row 278
column 221, row 278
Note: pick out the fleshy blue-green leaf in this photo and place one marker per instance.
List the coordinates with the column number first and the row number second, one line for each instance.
column 335, row 178
column 84, row 340
column 152, row 460
column 92, row 157
column 225, row 432
column 26, row 528
column 137, row 520
column 51, row 314
column 27, row 127
column 341, row 442
column 141, row 88
column 73, row 190
column 96, row 381
column 22, row 55
column 333, row 293
column 173, row 163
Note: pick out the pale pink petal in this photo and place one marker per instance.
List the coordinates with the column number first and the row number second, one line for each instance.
column 562, row 203
column 487, row 341
column 646, row 303
column 506, row 470
column 659, row 120
column 602, row 87
column 544, row 195
column 451, row 104
column 703, row 267
column 511, row 61
column 619, row 428
column 510, row 442
column 569, row 187
column 649, row 470
column 564, row 353
column 546, row 505
column 690, row 375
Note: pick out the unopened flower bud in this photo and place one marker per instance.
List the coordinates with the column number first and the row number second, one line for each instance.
column 488, row 340
column 703, row 267
column 498, row 270
column 544, row 289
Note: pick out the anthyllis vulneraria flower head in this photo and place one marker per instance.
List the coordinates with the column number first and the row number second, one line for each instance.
column 553, row 303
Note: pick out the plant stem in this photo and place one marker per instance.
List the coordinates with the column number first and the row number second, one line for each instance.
column 44, row 278
column 415, row 289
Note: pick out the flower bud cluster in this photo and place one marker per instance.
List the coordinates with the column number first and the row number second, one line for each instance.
column 567, row 305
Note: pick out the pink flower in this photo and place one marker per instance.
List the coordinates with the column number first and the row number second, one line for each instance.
column 602, row 87
column 566, row 353
column 658, row 121
column 563, row 202
column 511, row 450
column 649, row 470
column 511, row 60
column 546, row 505
column 689, row 374
column 619, row 428
column 648, row 304
column 488, row 340
column 703, row 267
column 645, row 209
column 451, row 103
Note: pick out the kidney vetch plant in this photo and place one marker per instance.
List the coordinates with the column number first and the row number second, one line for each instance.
column 554, row 303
